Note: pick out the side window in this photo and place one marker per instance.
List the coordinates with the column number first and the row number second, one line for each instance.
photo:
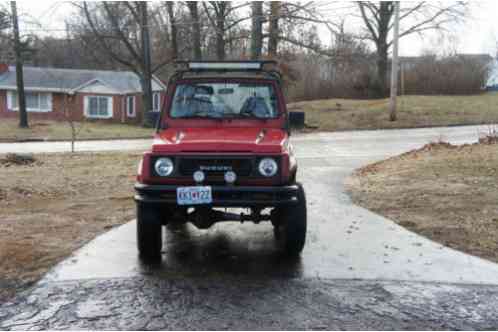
column 130, row 106
column 35, row 101
column 98, row 107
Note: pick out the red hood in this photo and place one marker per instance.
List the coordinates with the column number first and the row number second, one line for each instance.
column 209, row 139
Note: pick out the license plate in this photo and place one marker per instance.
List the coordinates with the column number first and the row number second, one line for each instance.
column 194, row 195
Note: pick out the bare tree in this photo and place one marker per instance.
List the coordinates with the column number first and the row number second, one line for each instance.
column 273, row 31
column 221, row 15
column 294, row 24
column 121, row 30
column 5, row 19
column 417, row 17
column 67, row 109
column 173, row 32
column 257, row 29
column 23, row 114
column 196, row 29
column 220, row 10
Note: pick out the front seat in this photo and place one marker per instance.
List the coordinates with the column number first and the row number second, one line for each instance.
column 256, row 106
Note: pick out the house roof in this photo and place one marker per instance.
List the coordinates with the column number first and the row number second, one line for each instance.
column 72, row 80
column 485, row 58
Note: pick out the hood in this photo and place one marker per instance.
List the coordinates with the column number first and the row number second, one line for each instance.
column 243, row 139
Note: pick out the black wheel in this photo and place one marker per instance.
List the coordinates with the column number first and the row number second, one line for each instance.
column 290, row 225
column 149, row 231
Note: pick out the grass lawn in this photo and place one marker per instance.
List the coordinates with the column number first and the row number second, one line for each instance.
column 54, row 206
column 326, row 115
column 413, row 111
column 444, row 192
column 54, row 130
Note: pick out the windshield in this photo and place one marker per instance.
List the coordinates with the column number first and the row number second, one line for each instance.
column 224, row 100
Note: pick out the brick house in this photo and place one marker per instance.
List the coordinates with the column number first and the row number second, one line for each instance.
column 492, row 82
column 56, row 94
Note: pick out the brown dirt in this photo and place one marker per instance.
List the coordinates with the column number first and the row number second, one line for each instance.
column 55, row 205
column 444, row 192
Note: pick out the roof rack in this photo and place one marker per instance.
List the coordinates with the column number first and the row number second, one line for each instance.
column 254, row 66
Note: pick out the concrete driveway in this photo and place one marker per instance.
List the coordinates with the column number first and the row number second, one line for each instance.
column 358, row 270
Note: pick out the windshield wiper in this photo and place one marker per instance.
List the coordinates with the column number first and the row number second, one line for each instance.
column 200, row 115
column 252, row 115
column 218, row 116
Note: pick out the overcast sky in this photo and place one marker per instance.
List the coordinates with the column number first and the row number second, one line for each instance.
column 478, row 35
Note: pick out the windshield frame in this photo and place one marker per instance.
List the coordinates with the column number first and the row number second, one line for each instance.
column 279, row 111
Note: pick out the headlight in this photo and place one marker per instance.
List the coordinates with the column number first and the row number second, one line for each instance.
column 268, row 167
column 164, row 166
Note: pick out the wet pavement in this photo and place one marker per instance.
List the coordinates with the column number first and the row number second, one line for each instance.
column 357, row 271
column 189, row 303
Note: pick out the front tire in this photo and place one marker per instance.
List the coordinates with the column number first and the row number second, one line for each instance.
column 290, row 229
column 149, row 231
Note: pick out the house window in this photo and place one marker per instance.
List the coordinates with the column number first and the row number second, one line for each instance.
column 156, row 101
column 130, row 106
column 35, row 101
column 98, row 107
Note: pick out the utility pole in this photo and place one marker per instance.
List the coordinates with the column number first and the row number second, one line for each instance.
column 394, row 65
column 23, row 115
column 147, row 74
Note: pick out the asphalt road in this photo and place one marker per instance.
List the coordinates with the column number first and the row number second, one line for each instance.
column 358, row 270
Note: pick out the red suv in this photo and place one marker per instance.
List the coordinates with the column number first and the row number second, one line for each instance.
column 222, row 142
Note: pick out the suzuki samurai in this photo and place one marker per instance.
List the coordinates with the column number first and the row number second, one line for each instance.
column 221, row 152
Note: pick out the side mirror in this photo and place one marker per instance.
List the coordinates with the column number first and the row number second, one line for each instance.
column 297, row 120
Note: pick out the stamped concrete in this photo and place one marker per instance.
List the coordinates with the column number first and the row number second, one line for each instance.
column 358, row 270
column 252, row 304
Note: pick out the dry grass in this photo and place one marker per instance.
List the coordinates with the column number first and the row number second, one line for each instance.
column 55, row 205
column 55, row 130
column 326, row 115
column 444, row 192
column 414, row 111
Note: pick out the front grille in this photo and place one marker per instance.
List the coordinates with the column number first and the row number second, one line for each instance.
column 215, row 166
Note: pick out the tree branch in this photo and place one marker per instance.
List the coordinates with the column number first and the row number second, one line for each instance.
column 100, row 40
column 120, row 34
column 367, row 22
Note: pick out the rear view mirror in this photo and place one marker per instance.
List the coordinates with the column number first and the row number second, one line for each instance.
column 204, row 90
column 225, row 91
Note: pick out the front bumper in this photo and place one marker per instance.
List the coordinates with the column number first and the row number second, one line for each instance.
column 223, row 196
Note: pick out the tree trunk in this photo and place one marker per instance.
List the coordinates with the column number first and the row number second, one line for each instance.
column 21, row 99
column 196, row 30
column 146, row 100
column 381, row 81
column 220, row 38
column 273, row 29
column 256, row 30
column 174, row 34
column 385, row 15
column 146, row 72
